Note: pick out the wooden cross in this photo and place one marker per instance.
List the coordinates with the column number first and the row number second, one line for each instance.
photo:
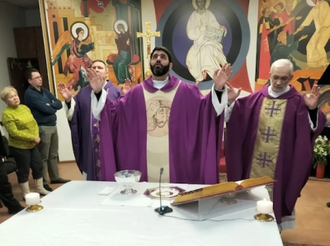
column 148, row 34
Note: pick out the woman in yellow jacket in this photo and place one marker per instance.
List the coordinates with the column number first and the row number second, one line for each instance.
column 23, row 137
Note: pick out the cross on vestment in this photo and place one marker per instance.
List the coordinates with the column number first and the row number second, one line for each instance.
column 148, row 35
column 264, row 159
column 267, row 135
column 272, row 109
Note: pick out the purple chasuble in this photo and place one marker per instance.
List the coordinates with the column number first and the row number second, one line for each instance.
column 195, row 134
column 85, row 132
column 294, row 158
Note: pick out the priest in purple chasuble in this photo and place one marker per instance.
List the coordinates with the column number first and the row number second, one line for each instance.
column 163, row 122
column 271, row 133
column 83, row 125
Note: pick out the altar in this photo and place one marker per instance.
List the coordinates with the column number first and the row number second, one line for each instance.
column 78, row 214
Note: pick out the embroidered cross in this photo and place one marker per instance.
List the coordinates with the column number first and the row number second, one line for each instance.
column 268, row 135
column 271, row 110
column 264, row 160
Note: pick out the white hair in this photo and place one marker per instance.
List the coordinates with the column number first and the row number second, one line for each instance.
column 280, row 63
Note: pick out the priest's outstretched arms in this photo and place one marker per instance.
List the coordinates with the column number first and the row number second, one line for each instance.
column 271, row 133
column 162, row 122
column 218, row 91
column 83, row 125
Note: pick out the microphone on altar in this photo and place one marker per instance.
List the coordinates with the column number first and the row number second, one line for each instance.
column 162, row 209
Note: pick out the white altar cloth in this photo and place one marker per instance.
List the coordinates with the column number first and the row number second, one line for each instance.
column 75, row 215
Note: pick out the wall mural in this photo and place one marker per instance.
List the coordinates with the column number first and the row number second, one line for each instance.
column 204, row 34
column 80, row 31
column 200, row 34
column 298, row 30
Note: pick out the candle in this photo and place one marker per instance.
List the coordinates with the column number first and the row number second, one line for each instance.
column 264, row 207
column 32, row 198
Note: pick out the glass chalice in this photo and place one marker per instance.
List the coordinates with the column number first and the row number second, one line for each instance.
column 127, row 178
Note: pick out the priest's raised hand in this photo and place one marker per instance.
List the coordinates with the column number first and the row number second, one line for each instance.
column 221, row 76
column 65, row 92
column 233, row 93
column 312, row 98
column 83, row 125
column 96, row 80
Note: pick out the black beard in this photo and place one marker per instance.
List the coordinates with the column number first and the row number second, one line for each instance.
column 159, row 71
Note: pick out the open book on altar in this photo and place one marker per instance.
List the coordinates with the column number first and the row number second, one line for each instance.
column 220, row 189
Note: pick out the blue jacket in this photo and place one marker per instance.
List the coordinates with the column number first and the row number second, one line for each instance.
column 43, row 105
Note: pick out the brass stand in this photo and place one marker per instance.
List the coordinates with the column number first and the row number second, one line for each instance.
column 34, row 208
column 148, row 72
column 264, row 217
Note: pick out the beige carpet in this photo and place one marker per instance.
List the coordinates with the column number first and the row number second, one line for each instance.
column 293, row 244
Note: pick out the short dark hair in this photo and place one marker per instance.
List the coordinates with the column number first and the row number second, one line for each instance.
column 28, row 73
column 98, row 60
column 162, row 48
column 78, row 30
column 120, row 26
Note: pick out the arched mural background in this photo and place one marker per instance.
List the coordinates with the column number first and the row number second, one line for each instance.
column 172, row 23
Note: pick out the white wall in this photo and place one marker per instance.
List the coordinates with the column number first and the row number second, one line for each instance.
column 10, row 17
column 251, row 56
column 64, row 135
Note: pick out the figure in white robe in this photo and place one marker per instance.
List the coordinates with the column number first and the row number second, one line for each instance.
column 206, row 54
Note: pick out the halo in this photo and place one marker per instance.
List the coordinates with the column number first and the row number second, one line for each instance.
column 310, row 3
column 115, row 26
column 207, row 4
column 82, row 25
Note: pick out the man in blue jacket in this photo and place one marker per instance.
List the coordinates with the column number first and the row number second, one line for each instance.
column 43, row 106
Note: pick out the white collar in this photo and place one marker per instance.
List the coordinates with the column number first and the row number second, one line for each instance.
column 160, row 83
column 277, row 94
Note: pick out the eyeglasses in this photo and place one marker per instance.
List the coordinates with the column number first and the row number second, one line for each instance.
column 284, row 79
column 39, row 77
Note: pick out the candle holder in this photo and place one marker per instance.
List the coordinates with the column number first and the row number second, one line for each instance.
column 264, row 207
column 34, row 208
column 32, row 199
column 264, row 217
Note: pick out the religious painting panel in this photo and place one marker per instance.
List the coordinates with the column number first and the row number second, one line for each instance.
column 202, row 35
column 298, row 30
column 80, row 31
column 324, row 102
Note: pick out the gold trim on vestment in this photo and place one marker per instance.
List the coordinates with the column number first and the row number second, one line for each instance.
column 268, row 137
